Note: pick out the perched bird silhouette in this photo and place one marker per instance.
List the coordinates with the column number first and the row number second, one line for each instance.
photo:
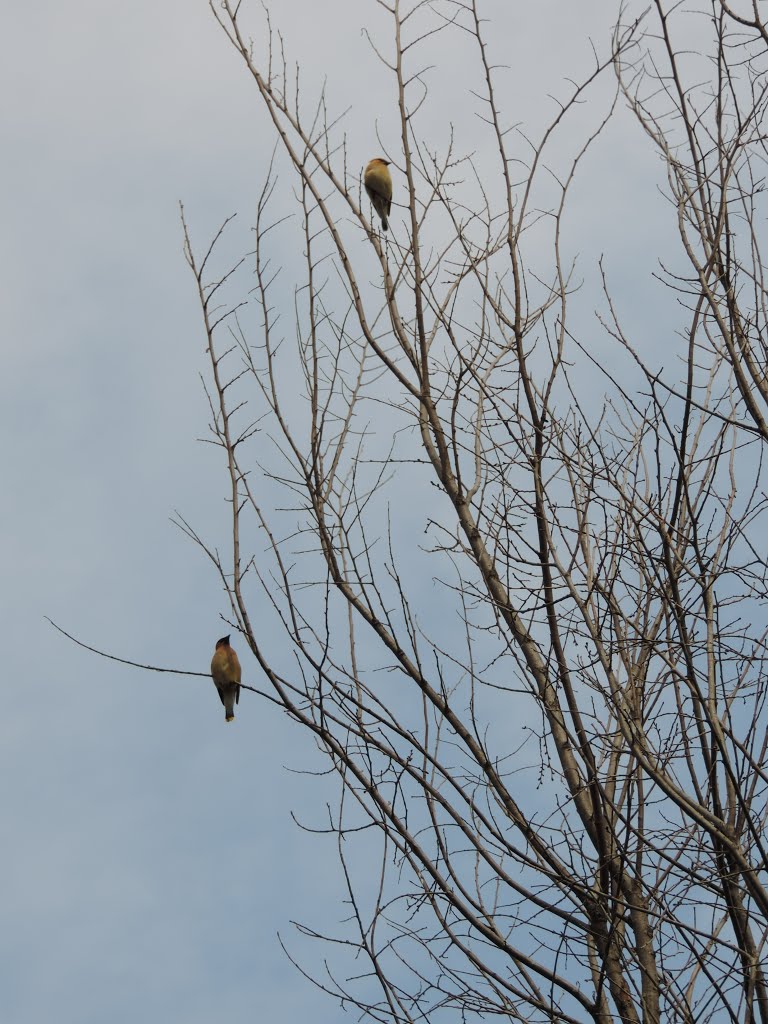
column 378, row 185
column 225, row 670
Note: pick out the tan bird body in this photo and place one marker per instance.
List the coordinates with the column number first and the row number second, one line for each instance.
column 226, row 673
column 378, row 185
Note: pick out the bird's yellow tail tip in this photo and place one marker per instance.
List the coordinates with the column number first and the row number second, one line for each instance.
column 230, row 718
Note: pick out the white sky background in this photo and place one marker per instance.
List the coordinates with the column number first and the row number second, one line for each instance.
column 148, row 856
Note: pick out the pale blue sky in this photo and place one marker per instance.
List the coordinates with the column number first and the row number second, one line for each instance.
column 149, row 858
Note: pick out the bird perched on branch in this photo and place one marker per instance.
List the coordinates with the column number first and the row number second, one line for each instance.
column 226, row 673
column 378, row 185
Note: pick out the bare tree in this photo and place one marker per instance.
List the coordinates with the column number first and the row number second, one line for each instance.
column 521, row 594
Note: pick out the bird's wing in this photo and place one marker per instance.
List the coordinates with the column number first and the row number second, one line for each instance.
column 376, row 187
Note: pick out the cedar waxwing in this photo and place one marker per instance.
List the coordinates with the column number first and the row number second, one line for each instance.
column 378, row 185
column 225, row 669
